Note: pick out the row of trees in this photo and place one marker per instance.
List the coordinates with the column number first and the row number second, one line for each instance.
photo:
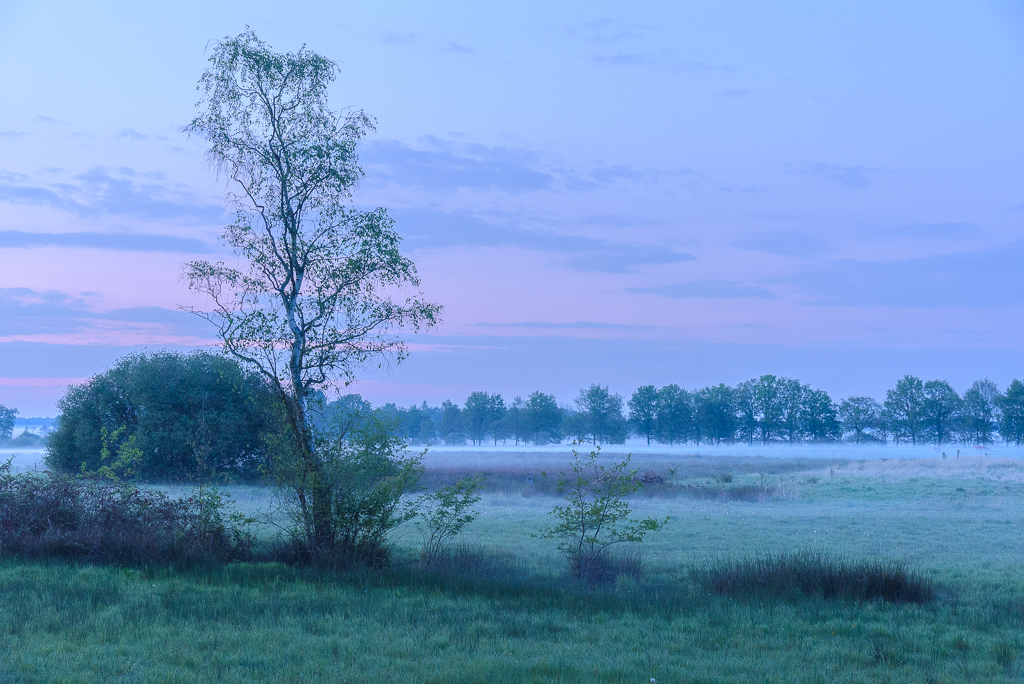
column 167, row 416
column 764, row 410
column 774, row 409
column 538, row 419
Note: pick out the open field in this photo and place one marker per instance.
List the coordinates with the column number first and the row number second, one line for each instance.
column 508, row 613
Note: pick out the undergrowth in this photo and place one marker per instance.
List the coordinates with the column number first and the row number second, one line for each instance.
column 115, row 523
column 815, row 573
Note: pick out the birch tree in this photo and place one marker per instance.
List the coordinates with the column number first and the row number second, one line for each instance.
column 318, row 288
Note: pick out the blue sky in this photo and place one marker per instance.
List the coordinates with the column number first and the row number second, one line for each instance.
column 597, row 192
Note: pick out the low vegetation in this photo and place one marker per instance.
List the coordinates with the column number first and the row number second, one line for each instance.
column 498, row 605
column 444, row 513
column 596, row 517
column 815, row 574
column 101, row 521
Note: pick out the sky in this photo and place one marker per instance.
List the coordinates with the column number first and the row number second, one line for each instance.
column 596, row 192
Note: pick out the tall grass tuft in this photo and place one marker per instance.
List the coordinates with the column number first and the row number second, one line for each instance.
column 608, row 567
column 815, row 573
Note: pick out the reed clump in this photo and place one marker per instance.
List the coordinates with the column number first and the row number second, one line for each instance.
column 815, row 573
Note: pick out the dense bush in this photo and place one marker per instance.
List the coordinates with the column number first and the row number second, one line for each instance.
column 813, row 573
column 101, row 521
column 26, row 440
column 344, row 505
column 187, row 417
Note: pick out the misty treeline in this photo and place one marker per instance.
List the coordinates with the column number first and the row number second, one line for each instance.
column 8, row 416
column 764, row 410
column 170, row 417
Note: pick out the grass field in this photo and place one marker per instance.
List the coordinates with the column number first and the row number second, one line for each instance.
column 507, row 613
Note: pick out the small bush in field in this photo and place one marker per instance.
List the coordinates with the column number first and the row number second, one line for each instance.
column 813, row 573
column 103, row 521
column 445, row 512
column 596, row 516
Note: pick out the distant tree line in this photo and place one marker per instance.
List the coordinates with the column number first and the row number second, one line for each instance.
column 168, row 416
column 764, row 410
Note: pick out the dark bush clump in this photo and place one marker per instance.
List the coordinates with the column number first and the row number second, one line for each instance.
column 607, row 567
column 196, row 417
column 813, row 573
column 46, row 516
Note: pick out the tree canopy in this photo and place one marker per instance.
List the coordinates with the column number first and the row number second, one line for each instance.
column 198, row 416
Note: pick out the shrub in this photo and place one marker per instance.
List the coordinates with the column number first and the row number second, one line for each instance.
column 189, row 417
column 596, row 516
column 814, row 573
column 102, row 521
column 607, row 567
column 26, row 440
column 445, row 512
column 345, row 503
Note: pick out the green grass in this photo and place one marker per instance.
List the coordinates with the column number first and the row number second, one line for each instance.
column 522, row 621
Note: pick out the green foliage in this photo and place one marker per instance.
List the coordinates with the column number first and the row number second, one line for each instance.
column 344, row 503
column 861, row 419
column 763, row 404
column 941, row 411
column 515, row 420
column 7, row 416
column 602, row 411
column 716, row 414
column 1011, row 405
column 318, row 288
column 483, row 415
column 104, row 521
column 165, row 416
column 27, row 440
column 576, row 426
column 542, row 418
column 819, row 416
column 643, row 412
column 312, row 297
column 596, row 515
column 444, row 513
column 980, row 407
column 767, row 409
column 450, row 426
column 674, row 415
column 117, row 463
column 904, row 410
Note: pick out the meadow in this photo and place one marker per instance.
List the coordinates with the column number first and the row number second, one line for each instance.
column 503, row 610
